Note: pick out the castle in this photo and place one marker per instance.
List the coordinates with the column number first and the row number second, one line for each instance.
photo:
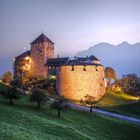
column 75, row 78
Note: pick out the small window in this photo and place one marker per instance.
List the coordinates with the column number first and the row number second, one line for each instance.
column 84, row 68
column 96, row 68
column 72, row 68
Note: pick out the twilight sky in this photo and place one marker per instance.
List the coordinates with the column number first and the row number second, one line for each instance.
column 73, row 25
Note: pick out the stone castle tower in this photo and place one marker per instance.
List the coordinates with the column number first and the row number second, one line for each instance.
column 77, row 81
column 42, row 48
column 75, row 78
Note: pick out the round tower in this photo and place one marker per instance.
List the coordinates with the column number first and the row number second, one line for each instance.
column 42, row 48
column 79, row 80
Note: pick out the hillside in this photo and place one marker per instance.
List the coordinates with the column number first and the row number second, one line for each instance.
column 131, row 109
column 25, row 122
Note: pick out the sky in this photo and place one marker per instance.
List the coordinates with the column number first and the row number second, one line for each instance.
column 74, row 25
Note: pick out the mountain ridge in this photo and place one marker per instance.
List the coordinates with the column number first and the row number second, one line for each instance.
column 123, row 57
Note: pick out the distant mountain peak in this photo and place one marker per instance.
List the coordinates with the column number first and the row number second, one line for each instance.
column 124, row 43
column 104, row 44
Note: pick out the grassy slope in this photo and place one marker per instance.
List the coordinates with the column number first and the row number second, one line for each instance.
column 112, row 98
column 25, row 122
column 132, row 109
column 121, row 103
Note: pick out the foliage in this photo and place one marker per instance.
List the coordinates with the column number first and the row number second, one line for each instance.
column 89, row 101
column 4, row 88
column 37, row 82
column 50, row 86
column 110, row 74
column 60, row 104
column 7, row 77
column 130, row 84
column 16, row 83
column 38, row 96
column 11, row 94
column 33, row 82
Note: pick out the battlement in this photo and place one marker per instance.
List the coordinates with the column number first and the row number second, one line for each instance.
column 76, row 83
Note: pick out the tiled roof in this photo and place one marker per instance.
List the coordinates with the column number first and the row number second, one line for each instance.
column 27, row 53
column 57, row 61
column 92, row 57
column 81, row 59
column 41, row 38
column 67, row 61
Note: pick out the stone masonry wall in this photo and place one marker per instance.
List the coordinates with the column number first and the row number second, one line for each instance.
column 39, row 54
column 76, row 84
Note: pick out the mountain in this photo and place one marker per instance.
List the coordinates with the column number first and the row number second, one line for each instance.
column 124, row 57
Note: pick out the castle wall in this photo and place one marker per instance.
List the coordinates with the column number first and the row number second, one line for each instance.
column 76, row 84
column 39, row 54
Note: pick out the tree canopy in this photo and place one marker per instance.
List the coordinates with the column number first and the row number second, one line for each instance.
column 89, row 101
column 61, row 104
column 38, row 96
column 110, row 74
column 7, row 77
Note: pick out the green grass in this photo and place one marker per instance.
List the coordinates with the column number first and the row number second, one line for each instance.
column 121, row 103
column 115, row 98
column 132, row 109
column 25, row 122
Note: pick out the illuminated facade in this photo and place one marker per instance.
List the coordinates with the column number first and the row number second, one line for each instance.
column 74, row 78
column 79, row 82
column 78, row 77
column 33, row 61
column 22, row 65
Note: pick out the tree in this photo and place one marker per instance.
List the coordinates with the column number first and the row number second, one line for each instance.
column 60, row 104
column 16, row 83
column 130, row 83
column 11, row 94
column 89, row 101
column 38, row 96
column 7, row 77
column 110, row 74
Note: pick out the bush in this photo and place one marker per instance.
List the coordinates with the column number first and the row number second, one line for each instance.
column 7, row 77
